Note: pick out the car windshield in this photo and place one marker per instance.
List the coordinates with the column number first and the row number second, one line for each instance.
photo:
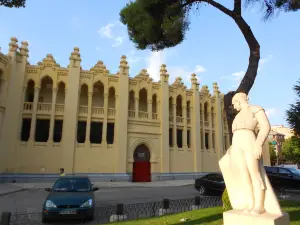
column 72, row 185
column 295, row 171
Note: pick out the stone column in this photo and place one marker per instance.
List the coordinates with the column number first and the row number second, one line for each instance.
column 121, row 130
column 104, row 127
column 164, row 120
column 203, row 129
column 219, row 130
column 33, row 117
column 21, row 114
column 9, row 133
column 158, row 108
column 136, row 105
column 210, row 146
column 174, row 125
column 185, row 146
column 89, row 120
column 195, row 125
column 149, row 108
column 71, row 111
column 52, row 118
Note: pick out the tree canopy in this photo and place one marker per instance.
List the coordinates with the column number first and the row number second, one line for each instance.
column 13, row 3
column 159, row 24
column 291, row 150
column 293, row 113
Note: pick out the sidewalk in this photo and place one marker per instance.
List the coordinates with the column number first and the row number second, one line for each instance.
column 16, row 187
column 6, row 189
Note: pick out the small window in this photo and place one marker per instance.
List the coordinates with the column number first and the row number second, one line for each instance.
column 271, row 170
column 284, row 172
column 211, row 177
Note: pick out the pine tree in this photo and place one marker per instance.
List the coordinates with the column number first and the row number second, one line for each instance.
column 293, row 113
column 160, row 24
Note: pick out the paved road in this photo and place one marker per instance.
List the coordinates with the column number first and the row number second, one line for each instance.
column 31, row 200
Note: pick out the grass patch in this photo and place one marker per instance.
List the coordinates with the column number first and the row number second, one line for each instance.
column 209, row 216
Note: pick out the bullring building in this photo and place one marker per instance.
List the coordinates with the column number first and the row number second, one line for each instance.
column 110, row 126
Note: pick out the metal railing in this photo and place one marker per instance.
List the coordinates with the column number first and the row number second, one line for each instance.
column 123, row 211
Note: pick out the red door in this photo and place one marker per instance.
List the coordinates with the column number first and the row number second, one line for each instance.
column 141, row 172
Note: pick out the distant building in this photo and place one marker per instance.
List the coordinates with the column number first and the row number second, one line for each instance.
column 277, row 139
column 286, row 131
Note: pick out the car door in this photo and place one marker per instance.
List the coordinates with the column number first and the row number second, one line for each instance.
column 211, row 182
column 272, row 173
column 219, row 182
column 207, row 181
column 286, row 178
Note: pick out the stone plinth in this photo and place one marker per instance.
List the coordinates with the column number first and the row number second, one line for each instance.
column 236, row 217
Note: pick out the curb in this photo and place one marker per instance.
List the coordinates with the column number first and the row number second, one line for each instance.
column 135, row 186
column 12, row 192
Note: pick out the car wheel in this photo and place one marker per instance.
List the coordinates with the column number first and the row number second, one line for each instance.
column 202, row 190
column 44, row 220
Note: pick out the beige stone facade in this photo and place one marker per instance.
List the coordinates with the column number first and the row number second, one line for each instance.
column 48, row 112
column 286, row 131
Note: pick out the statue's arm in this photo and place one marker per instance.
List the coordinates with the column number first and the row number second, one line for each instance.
column 263, row 123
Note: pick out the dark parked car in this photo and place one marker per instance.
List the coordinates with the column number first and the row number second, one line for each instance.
column 283, row 178
column 71, row 197
column 212, row 182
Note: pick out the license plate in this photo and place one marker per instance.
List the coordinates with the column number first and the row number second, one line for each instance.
column 67, row 212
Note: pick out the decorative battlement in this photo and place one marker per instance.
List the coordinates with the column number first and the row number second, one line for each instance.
column 49, row 67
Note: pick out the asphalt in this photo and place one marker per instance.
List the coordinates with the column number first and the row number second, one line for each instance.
column 10, row 188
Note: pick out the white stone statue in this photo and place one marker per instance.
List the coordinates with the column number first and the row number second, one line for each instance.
column 248, row 186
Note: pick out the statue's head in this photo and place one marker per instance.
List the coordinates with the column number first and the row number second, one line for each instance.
column 238, row 100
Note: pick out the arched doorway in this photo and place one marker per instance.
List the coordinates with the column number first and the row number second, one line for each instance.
column 141, row 166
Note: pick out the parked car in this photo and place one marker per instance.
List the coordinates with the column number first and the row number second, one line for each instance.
column 71, row 197
column 212, row 182
column 296, row 166
column 283, row 178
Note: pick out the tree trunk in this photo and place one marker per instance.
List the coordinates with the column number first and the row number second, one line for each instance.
column 249, row 78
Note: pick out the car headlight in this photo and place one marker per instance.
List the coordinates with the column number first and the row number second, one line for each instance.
column 50, row 204
column 88, row 203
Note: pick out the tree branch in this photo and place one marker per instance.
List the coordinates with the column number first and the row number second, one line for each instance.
column 213, row 3
column 237, row 7
column 249, row 78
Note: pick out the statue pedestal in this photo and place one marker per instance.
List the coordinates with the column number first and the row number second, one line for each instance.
column 236, row 217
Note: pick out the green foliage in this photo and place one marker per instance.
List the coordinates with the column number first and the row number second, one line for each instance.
column 291, row 149
column 13, row 3
column 293, row 113
column 226, row 202
column 159, row 24
column 155, row 24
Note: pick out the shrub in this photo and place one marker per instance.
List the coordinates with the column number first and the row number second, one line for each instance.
column 226, row 202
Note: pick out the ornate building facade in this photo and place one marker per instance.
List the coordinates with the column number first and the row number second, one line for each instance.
column 113, row 126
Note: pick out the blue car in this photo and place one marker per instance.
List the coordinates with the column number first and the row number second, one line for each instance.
column 71, row 197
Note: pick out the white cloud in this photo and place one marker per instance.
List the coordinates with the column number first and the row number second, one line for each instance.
column 156, row 59
column 132, row 58
column 107, row 32
column 237, row 77
column 271, row 112
column 264, row 61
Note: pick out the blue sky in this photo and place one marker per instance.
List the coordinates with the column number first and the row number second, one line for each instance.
column 214, row 47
